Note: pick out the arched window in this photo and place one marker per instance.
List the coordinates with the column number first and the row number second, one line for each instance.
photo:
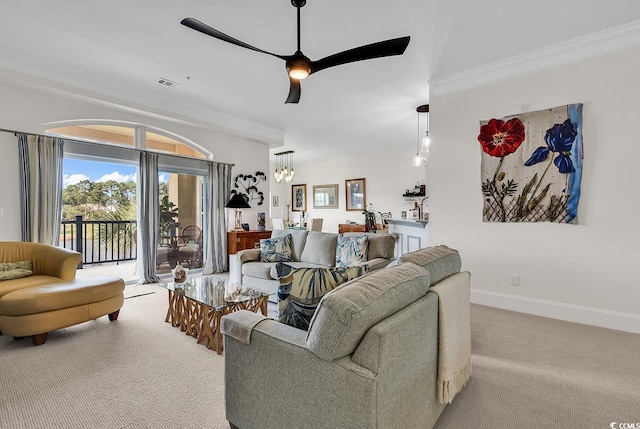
column 128, row 134
column 100, row 170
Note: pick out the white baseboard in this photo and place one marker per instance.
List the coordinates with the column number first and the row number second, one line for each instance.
column 558, row 310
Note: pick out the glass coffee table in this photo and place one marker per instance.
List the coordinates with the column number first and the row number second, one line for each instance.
column 196, row 309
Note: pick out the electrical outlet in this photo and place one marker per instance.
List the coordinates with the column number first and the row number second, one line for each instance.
column 514, row 280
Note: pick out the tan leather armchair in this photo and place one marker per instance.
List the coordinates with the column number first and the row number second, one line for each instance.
column 51, row 298
column 50, row 264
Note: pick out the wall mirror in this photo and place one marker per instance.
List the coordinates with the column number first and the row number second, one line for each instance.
column 325, row 196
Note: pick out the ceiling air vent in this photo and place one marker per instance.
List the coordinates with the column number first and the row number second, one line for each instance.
column 167, row 82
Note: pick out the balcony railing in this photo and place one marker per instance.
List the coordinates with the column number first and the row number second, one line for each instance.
column 100, row 240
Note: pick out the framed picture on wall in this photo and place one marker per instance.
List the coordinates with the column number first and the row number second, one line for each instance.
column 299, row 198
column 355, row 194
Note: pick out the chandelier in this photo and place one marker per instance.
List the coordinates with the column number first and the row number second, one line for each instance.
column 284, row 167
column 422, row 151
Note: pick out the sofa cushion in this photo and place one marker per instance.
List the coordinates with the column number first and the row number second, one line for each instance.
column 301, row 289
column 15, row 270
column 381, row 245
column 56, row 296
column 298, row 240
column 276, row 249
column 441, row 261
column 351, row 249
column 8, row 286
column 320, row 248
column 345, row 315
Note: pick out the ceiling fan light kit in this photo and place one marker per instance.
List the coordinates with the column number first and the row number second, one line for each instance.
column 298, row 65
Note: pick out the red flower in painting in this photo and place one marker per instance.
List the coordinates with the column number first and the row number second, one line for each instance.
column 499, row 138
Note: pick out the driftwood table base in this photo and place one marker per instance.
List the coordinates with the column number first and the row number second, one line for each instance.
column 203, row 322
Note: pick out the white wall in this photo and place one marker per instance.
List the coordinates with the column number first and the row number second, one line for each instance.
column 586, row 273
column 387, row 175
column 26, row 109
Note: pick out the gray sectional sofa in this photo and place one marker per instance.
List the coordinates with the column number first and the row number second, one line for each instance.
column 388, row 349
column 310, row 249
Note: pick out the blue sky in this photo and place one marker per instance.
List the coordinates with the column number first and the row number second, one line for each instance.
column 76, row 170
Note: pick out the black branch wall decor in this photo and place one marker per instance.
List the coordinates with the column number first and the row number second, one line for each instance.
column 247, row 186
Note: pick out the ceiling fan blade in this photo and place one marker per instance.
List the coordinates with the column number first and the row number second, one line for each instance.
column 385, row 48
column 205, row 29
column 294, row 91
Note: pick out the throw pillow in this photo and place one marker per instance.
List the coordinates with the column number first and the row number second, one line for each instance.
column 351, row 250
column 14, row 274
column 301, row 290
column 15, row 270
column 276, row 249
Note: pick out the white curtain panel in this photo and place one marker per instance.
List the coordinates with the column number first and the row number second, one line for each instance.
column 41, row 181
column 148, row 217
column 219, row 191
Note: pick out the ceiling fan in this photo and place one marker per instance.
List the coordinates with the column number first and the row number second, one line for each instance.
column 300, row 66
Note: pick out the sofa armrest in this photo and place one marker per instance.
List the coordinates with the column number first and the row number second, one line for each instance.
column 248, row 255
column 240, row 324
column 55, row 261
column 247, row 320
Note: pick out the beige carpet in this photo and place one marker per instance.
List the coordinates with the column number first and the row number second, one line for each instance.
column 534, row 372
column 139, row 372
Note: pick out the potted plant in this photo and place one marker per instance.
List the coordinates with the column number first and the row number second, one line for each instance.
column 168, row 217
column 369, row 218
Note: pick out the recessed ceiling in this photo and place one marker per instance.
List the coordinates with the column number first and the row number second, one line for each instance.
column 120, row 48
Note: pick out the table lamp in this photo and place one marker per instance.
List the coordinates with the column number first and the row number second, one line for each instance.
column 238, row 202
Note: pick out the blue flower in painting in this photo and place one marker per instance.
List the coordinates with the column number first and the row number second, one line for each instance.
column 559, row 138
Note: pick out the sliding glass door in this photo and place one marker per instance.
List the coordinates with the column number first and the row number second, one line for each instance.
column 181, row 220
column 99, row 207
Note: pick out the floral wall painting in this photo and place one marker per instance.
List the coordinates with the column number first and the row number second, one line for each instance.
column 532, row 166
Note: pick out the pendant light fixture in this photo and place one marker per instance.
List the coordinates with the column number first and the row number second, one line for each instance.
column 284, row 167
column 422, row 149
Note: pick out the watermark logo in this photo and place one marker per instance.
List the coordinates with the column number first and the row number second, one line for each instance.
column 614, row 425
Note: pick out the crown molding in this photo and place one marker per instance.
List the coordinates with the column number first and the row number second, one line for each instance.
column 36, row 72
column 593, row 45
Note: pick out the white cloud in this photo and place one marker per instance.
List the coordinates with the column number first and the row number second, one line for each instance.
column 118, row 177
column 163, row 177
column 73, row 179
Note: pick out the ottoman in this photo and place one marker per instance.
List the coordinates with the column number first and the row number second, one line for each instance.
column 37, row 310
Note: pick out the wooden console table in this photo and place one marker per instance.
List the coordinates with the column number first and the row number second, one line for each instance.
column 241, row 240
column 350, row 227
column 354, row 227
